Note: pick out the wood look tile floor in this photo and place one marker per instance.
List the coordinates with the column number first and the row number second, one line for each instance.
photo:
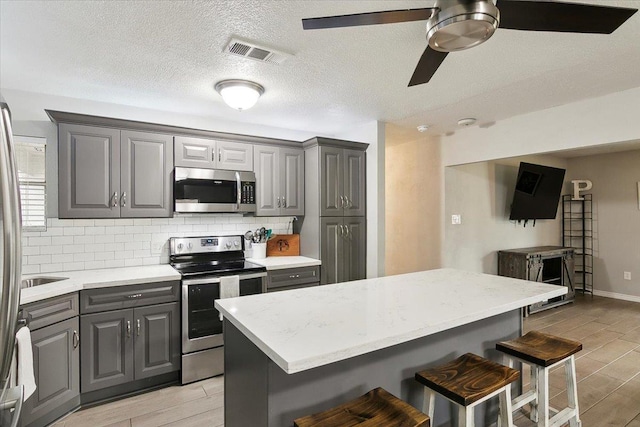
column 608, row 370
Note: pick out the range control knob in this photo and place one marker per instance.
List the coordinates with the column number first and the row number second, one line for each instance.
column 236, row 244
column 228, row 245
column 189, row 245
column 180, row 246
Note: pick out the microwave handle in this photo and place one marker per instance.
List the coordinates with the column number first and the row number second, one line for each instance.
column 238, row 190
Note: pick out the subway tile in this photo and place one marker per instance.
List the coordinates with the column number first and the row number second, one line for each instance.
column 132, row 246
column 62, row 240
column 107, row 238
column 142, row 237
column 50, row 268
column 73, row 249
column 114, row 263
column 105, row 256
column 134, row 229
column 141, row 254
column 124, row 254
column 83, row 222
column 121, row 238
column 71, row 266
column 73, row 231
column 94, row 265
column 31, row 234
column 192, row 220
column 30, row 269
column 61, row 258
column 39, row 259
column 94, row 247
column 54, row 231
column 142, row 221
column 84, row 256
column 93, row 231
column 151, row 261
column 200, row 227
column 104, row 222
column 159, row 221
column 53, row 249
column 30, row 250
column 39, row 241
column 176, row 220
column 123, row 222
column 109, row 247
column 77, row 240
column 132, row 262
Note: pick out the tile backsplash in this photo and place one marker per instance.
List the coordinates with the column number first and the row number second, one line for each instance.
column 84, row 244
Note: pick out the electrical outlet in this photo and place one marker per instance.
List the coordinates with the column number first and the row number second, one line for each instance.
column 456, row 219
column 627, row 275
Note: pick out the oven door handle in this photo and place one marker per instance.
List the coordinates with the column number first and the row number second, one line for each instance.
column 211, row 280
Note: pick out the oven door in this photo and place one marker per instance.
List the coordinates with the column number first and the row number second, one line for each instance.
column 201, row 325
column 212, row 190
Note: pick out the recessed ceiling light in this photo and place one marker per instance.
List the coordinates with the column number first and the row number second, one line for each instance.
column 239, row 94
column 466, row 122
column 423, row 128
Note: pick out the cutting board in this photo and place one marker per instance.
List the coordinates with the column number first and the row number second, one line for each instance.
column 284, row 245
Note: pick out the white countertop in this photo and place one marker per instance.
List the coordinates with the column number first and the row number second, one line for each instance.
column 282, row 262
column 306, row 328
column 89, row 279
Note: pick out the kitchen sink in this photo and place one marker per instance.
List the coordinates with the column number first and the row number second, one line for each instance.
column 37, row 281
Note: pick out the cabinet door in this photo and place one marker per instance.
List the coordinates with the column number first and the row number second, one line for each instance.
column 331, row 250
column 146, row 184
column 88, row 172
column 56, row 364
column 157, row 339
column 292, row 181
column 354, row 183
column 234, row 156
column 194, row 152
column 355, row 248
column 331, row 181
column 267, row 181
column 107, row 349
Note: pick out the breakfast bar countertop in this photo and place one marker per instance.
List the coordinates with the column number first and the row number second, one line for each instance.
column 307, row 328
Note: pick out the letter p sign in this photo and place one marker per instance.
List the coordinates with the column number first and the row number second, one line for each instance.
column 580, row 185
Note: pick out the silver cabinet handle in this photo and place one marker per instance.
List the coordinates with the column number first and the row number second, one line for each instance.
column 347, row 232
column 341, row 230
column 76, row 339
column 132, row 296
column 348, row 202
column 114, row 199
column 342, row 201
column 128, row 328
column 279, row 205
column 137, row 327
column 284, row 202
column 123, row 199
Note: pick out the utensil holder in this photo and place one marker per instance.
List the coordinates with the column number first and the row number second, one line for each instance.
column 259, row 250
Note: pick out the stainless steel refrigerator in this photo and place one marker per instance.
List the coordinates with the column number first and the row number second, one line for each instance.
column 10, row 264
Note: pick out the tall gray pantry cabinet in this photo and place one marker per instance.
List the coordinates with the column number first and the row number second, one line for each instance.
column 112, row 173
column 334, row 226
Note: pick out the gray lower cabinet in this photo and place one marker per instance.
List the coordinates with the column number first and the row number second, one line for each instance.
column 56, row 360
column 130, row 334
column 108, row 173
column 280, row 180
column 342, row 249
column 293, row 278
column 121, row 346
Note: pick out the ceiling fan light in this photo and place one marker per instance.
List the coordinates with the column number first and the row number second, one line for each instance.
column 462, row 26
column 239, row 94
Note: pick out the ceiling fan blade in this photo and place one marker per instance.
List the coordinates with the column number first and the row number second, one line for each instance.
column 561, row 17
column 369, row 18
column 427, row 66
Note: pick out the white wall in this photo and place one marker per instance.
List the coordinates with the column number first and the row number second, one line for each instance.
column 373, row 133
column 482, row 193
column 616, row 208
column 413, row 191
column 607, row 119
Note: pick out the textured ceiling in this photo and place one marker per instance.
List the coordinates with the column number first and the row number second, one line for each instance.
column 168, row 56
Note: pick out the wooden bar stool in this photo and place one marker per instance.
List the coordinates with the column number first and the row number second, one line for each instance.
column 544, row 352
column 376, row 408
column 468, row 381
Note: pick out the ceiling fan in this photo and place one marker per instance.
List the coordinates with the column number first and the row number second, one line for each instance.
column 454, row 25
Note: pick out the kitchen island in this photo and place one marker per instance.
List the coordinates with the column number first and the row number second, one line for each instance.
column 294, row 353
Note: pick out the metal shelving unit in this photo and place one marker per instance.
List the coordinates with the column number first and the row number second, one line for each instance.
column 577, row 233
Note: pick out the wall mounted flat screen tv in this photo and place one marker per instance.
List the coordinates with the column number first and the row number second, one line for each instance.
column 537, row 192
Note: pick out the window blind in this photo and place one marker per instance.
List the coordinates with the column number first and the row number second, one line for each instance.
column 30, row 157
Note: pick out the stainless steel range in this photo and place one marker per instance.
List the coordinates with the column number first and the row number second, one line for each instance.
column 211, row 267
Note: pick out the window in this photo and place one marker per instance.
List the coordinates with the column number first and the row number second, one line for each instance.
column 30, row 157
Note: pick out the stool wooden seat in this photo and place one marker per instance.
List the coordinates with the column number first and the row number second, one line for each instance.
column 542, row 352
column 376, row 408
column 468, row 381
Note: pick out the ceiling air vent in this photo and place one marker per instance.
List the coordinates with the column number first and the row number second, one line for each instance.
column 249, row 50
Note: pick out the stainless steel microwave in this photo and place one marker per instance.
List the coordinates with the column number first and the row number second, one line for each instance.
column 214, row 190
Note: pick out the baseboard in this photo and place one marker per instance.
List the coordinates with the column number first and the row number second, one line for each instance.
column 616, row 295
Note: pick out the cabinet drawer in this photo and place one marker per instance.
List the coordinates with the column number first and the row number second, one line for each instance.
column 288, row 288
column 115, row 298
column 293, row 276
column 44, row 313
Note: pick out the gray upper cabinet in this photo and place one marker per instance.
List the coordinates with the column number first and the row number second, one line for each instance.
column 205, row 153
column 146, row 166
column 108, row 173
column 89, row 171
column 157, row 351
column 279, row 181
column 342, row 186
column 194, row 152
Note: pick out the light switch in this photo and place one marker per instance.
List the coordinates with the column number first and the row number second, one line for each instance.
column 456, row 219
column 627, row 275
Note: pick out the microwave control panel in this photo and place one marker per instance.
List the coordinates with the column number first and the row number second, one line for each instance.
column 248, row 193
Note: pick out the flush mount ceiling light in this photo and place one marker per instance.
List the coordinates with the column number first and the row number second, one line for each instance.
column 239, row 94
column 423, row 128
column 466, row 122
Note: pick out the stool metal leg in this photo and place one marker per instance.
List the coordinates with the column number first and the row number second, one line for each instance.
column 572, row 390
column 465, row 416
column 429, row 402
column 542, row 385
